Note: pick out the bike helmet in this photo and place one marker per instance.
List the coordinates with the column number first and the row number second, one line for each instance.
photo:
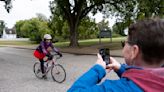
column 47, row 36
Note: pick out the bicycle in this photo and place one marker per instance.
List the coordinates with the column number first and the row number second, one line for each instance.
column 57, row 71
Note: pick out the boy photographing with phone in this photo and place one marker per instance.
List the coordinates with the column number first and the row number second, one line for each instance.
column 144, row 56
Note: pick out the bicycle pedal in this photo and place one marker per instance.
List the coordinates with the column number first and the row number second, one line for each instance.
column 44, row 77
column 58, row 73
column 38, row 71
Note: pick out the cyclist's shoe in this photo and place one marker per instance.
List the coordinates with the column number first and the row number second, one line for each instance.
column 44, row 76
column 38, row 71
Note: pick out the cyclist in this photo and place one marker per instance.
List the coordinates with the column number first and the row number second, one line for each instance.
column 42, row 52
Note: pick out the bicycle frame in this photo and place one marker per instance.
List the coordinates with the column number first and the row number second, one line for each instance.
column 51, row 63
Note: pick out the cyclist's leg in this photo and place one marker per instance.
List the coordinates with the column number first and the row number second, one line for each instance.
column 43, row 68
column 40, row 56
column 42, row 65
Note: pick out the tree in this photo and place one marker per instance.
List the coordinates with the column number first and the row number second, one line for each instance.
column 87, row 29
column 150, row 8
column 18, row 28
column 73, row 11
column 2, row 26
column 119, row 28
column 103, row 25
column 8, row 4
column 136, row 10
column 33, row 28
column 38, row 29
column 58, row 25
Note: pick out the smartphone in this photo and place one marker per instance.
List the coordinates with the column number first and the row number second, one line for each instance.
column 105, row 53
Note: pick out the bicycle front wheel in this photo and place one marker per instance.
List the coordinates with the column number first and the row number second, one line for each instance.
column 37, row 70
column 58, row 73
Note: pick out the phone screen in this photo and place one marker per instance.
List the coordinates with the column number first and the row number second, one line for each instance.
column 104, row 52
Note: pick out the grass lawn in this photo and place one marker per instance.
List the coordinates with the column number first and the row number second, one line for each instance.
column 90, row 42
column 83, row 43
column 103, row 41
column 15, row 42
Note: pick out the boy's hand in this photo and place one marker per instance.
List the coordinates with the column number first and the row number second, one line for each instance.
column 113, row 64
column 100, row 61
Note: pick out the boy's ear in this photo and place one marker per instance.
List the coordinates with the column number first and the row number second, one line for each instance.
column 134, row 51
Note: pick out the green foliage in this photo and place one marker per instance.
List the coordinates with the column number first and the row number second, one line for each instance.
column 17, row 27
column 88, row 29
column 59, row 26
column 33, row 29
column 67, row 17
column 63, row 34
column 150, row 8
column 103, row 25
column 38, row 29
column 119, row 28
column 135, row 10
column 74, row 11
column 129, row 11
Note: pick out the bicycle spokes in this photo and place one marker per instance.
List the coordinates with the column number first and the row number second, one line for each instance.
column 58, row 73
column 38, row 71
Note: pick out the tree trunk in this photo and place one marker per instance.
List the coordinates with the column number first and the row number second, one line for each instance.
column 73, row 34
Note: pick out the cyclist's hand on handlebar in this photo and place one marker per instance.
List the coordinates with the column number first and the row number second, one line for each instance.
column 60, row 55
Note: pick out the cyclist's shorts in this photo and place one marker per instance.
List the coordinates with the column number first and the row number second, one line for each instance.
column 39, row 55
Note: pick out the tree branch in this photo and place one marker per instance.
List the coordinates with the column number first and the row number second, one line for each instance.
column 65, row 7
column 86, row 11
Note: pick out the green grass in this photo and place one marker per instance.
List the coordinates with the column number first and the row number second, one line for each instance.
column 97, row 41
column 82, row 43
column 10, row 42
column 90, row 42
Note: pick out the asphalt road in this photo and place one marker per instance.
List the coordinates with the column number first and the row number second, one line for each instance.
column 16, row 71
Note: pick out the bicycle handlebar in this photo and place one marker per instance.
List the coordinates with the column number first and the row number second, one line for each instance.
column 55, row 54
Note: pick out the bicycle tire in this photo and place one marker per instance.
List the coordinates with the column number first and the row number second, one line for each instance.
column 37, row 70
column 58, row 73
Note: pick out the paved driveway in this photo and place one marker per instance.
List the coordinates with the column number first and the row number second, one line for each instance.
column 17, row 74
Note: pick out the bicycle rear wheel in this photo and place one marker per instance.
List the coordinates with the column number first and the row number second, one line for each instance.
column 37, row 70
column 58, row 73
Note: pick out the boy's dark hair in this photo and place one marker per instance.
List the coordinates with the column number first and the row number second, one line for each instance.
column 149, row 36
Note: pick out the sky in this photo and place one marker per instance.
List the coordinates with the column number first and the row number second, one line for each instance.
column 27, row 9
